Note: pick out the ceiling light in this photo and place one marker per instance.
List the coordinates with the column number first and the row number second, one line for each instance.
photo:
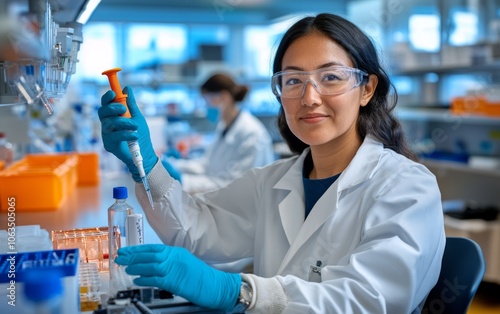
column 247, row 3
column 85, row 14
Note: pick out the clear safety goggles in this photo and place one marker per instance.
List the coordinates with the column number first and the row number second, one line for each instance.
column 329, row 81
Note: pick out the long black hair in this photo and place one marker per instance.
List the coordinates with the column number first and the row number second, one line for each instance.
column 376, row 118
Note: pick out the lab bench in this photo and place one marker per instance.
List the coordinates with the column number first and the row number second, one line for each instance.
column 86, row 207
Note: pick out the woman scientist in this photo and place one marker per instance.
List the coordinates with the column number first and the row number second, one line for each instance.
column 241, row 140
column 349, row 225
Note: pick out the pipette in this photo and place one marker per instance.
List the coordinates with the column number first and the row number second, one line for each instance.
column 135, row 150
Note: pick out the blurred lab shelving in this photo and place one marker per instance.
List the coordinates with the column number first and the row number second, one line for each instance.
column 460, row 57
column 443, row 116
column 448, row 69
column 442, row 48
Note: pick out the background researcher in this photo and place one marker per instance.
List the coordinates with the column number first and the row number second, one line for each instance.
column 241, row 142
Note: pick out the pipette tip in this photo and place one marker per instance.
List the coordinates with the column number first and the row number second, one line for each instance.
column 146, row 187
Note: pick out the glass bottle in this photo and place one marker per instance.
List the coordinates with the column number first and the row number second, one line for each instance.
column 6, row 150
column 117, row 224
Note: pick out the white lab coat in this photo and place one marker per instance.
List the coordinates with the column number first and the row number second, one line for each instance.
column 378, row 232
column 246, row 145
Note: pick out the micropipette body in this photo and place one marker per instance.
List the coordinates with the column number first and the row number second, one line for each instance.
column 137, row 157
column 132, row 145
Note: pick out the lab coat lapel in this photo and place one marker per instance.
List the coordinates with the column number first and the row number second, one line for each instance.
column 323, row 209
column 291, row 208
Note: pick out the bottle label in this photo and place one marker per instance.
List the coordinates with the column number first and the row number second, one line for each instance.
column 135, row 229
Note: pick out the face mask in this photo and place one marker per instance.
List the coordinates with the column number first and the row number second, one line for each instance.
column 213, row 114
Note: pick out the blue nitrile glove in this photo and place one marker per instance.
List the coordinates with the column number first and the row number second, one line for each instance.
column 117, row 130
column 177, row 270
column 174, row 172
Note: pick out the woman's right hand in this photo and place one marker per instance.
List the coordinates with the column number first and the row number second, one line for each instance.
column 117, row 130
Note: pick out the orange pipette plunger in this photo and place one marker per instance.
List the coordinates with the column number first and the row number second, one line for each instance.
column 115, row 87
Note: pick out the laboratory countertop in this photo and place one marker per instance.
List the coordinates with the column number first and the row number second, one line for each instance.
column 87, row 206
column 84, row 207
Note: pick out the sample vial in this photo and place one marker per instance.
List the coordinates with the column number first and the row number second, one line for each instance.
column 117, row 223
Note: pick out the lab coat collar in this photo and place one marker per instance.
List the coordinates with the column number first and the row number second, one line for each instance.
column 229, row 137
column 291, row 209
column 363, row 165
column 360, row 169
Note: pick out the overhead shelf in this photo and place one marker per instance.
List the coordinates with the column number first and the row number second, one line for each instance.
column 461, row 167
column 442, row 115
column 477, row 68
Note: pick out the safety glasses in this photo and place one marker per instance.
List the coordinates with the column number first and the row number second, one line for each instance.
column 329, row 81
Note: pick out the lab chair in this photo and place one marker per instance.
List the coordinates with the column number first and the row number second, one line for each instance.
column 462, row 270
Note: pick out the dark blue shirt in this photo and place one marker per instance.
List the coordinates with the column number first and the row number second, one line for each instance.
column 314, row 188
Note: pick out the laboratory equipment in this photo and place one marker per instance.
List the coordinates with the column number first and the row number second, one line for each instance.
column 26, row 238
column 135, row 229
column 39, row 46
column 6, row 150
column 152, row 300
column 39, row 181
column 44, row 291
column 93, row 244
column 118, row 221
column 176, row 269
column 65, row 262
column 44, row 181
column 135, row 150
column 90, row 286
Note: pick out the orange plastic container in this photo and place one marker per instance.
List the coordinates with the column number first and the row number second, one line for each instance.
column 39, row 182
column 2, row 165
column 43, row 181
column 65, row 163
column 477, row 105
column 88, row 168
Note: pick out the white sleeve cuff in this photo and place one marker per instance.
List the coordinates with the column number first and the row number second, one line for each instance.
column 268, row 295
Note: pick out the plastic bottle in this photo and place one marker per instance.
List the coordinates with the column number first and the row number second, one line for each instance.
column 117, row 222
column 6, row 150
column 44, row 291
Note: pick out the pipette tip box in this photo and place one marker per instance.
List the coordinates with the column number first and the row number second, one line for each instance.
column 15, row 266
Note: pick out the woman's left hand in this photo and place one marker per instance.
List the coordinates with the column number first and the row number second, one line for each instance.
column 181, row 273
